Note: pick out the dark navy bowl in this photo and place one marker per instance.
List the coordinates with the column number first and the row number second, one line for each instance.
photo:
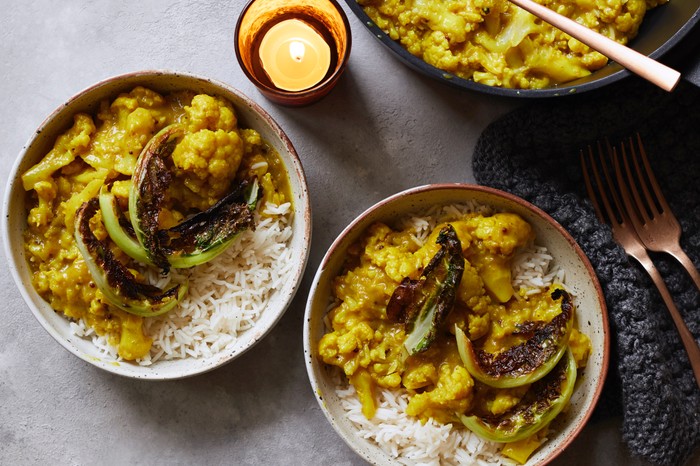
column 662, row 29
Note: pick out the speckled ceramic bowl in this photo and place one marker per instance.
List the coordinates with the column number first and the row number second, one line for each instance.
column 591, row 311
column 250, row 115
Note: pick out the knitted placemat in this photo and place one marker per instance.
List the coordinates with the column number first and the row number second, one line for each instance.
column 533, row 152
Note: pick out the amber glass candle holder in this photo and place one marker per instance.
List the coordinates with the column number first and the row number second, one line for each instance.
column 325, row 17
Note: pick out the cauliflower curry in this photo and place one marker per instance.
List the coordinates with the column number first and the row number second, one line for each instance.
column 103, row 150
column 496, row 43
column 369, row 347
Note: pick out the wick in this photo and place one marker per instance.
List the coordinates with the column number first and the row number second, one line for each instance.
column 297, row 50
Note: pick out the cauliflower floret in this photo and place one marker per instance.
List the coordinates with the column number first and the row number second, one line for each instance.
column 436, row 51
column 560, row 67
column 207, row 160
column 452, row 394
column 141, row 124
column 439, row 18
column 212, row 113
column 478, row 325
column 628, row 22
column 139, row 112
column 253, row 140
column 505, row 399
column 41, row 215
column 74, row 142
column 389, row 252
column 419, row 376
column 502, row 233
column 521, row 25
column 138, row 97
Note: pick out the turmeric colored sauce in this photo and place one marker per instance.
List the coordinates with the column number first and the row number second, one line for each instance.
column 369, row 349
column 496, row 43
column 102, row 149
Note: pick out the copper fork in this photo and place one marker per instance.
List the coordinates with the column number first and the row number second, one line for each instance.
column 624, row 233
column 651, row 215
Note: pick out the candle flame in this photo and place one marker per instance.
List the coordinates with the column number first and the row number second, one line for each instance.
column 297, row 50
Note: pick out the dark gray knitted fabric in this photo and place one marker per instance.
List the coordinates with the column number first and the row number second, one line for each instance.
column 533, row 152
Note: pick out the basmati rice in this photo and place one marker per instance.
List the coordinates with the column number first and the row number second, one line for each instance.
column 410, row 442
column 226, row 295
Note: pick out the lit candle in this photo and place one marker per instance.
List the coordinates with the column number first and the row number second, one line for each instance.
column 294, row 51
column 294, row 56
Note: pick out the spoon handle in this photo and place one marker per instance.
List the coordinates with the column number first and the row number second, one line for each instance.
column 649, row 69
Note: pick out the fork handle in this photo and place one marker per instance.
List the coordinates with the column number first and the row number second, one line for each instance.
column 691, row 346
column 685, row 261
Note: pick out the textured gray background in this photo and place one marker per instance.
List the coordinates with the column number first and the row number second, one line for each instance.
column 383, row 129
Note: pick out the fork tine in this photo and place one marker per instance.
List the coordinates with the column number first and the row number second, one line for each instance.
column 601, row 188
column 625, row 187
column 612, row 153
column 587, row 181
column 647, row 209
column 652, row 179
column 638, row 210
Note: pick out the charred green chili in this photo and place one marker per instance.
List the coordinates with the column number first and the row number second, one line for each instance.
column 119, row 232
column 424, row 304
column 525, row 363
column 207, row 234
column 542, row 403
column 119, row 286
column 150, row 180
column 196, row 240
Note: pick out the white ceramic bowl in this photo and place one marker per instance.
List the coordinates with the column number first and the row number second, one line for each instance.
column 581, row 279
column 250, row 115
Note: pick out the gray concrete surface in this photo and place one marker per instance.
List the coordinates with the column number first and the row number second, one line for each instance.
column 383, row 129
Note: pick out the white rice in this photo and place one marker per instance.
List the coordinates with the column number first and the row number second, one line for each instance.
column 534, row 270
column 405, row 438
column 410, row 442
column 226, row 296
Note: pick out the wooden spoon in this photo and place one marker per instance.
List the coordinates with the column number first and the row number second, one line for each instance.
column 649, row 69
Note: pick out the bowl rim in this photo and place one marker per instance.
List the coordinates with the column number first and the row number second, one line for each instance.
column 310, row 353
column 563, row 90
column 219, row 359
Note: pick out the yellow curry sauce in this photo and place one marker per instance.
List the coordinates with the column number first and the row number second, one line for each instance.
column 496, row 43
column 368, row 347
column 103, row 149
